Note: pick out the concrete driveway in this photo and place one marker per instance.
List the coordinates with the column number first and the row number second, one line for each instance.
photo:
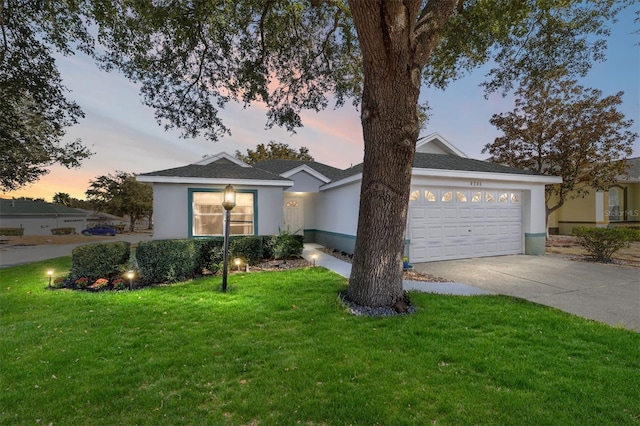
column 605, row 293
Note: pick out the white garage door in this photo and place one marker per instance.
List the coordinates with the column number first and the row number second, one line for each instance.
column 456, row 223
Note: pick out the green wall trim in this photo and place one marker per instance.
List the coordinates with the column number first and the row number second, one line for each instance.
column 333, row 234
column 190, row 209
column 537, row 234
column 535, row 244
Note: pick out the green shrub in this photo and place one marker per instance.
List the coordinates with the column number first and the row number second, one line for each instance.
column 248, row 248
column 102, row 260
column 119, row 228
column 602, row 243
column 12, row 232
column 166, row 260
column 63, row 231
column 208, row 252
column 287, row 245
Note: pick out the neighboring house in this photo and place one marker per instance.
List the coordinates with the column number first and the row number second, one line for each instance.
column 38, row 217
column 619, row 205
column 100, row 218
column 459, row 207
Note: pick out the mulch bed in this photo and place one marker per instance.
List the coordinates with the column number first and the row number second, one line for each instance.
column 407, row 275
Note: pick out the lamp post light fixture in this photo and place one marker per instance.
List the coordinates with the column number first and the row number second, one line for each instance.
column 228, row 202
column 130, row 275
column 50, row 274
column 314, row 256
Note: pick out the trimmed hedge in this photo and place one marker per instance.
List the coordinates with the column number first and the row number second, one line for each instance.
column 166, row 260
column 102, row 260
column 12, row 232
column 248, row 248
column 63, row 231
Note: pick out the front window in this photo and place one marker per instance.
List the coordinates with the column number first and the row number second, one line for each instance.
column 208, row 214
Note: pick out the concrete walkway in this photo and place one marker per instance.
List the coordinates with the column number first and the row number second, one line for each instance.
column 343, row 268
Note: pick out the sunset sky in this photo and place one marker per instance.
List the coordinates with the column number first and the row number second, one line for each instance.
column 124, row 135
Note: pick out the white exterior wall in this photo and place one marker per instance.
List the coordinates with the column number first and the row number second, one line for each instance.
column 337, row 209
column 270, row 209
column 304, row 182
column 38, row 225
column 171, row 209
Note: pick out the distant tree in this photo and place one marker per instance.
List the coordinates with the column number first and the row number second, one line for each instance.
column 273, row 151
column 62, row 198
column 121, row 194
column 65, row 199
column 564, row 129
column 34, row 111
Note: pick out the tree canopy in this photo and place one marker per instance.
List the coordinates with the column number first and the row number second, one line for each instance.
column 273, row 151
column 34, row 112
column 561, row 128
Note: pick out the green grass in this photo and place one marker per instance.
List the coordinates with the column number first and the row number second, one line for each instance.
column 279, row 348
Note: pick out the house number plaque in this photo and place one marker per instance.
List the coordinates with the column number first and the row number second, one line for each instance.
column 476, row 183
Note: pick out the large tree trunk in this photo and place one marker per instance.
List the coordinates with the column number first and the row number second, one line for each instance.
column 395, row 45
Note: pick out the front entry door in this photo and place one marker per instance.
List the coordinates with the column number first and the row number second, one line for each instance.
column 293, row 216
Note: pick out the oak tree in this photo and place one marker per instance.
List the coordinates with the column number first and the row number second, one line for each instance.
column 34, row 110
column 561, row 128
column 273, row 151
column 193, row 57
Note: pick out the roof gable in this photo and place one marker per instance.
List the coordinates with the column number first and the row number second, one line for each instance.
column 221, row 159
column 436, row 144
column 288, row 168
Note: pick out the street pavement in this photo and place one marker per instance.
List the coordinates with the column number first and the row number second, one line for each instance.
column 18, row 255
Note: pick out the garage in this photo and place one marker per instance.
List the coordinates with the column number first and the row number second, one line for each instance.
column 456, row 223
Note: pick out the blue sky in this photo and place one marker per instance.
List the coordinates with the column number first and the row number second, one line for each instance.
column 124, row 135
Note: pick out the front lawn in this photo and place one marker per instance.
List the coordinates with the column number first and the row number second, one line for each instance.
column 279, row 348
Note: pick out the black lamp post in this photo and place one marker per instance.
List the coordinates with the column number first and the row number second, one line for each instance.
column 228, row 202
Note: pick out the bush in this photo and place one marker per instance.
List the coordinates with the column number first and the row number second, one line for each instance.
column 248, row 248
column 208, row 252
column 63, row 231
column 602, row 243
column 287, row 245
column 166, row 260
column 12, row 232
column 95, row 261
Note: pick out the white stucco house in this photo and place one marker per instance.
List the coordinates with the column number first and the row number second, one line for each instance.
column 458, row 208
column 39, row 218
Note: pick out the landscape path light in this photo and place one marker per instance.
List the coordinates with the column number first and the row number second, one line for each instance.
column 238, row 262
column 50, row 274
column 130, row 275
column 228, row 202
column 314, row 256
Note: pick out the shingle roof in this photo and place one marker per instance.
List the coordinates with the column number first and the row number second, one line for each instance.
column 634, row 168
column 451, row 162
column 216, row 171
column 36, row 208
column 281, row 166
column 445, row 162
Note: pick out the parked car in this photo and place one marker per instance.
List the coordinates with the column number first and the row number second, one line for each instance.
column 100, row 230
